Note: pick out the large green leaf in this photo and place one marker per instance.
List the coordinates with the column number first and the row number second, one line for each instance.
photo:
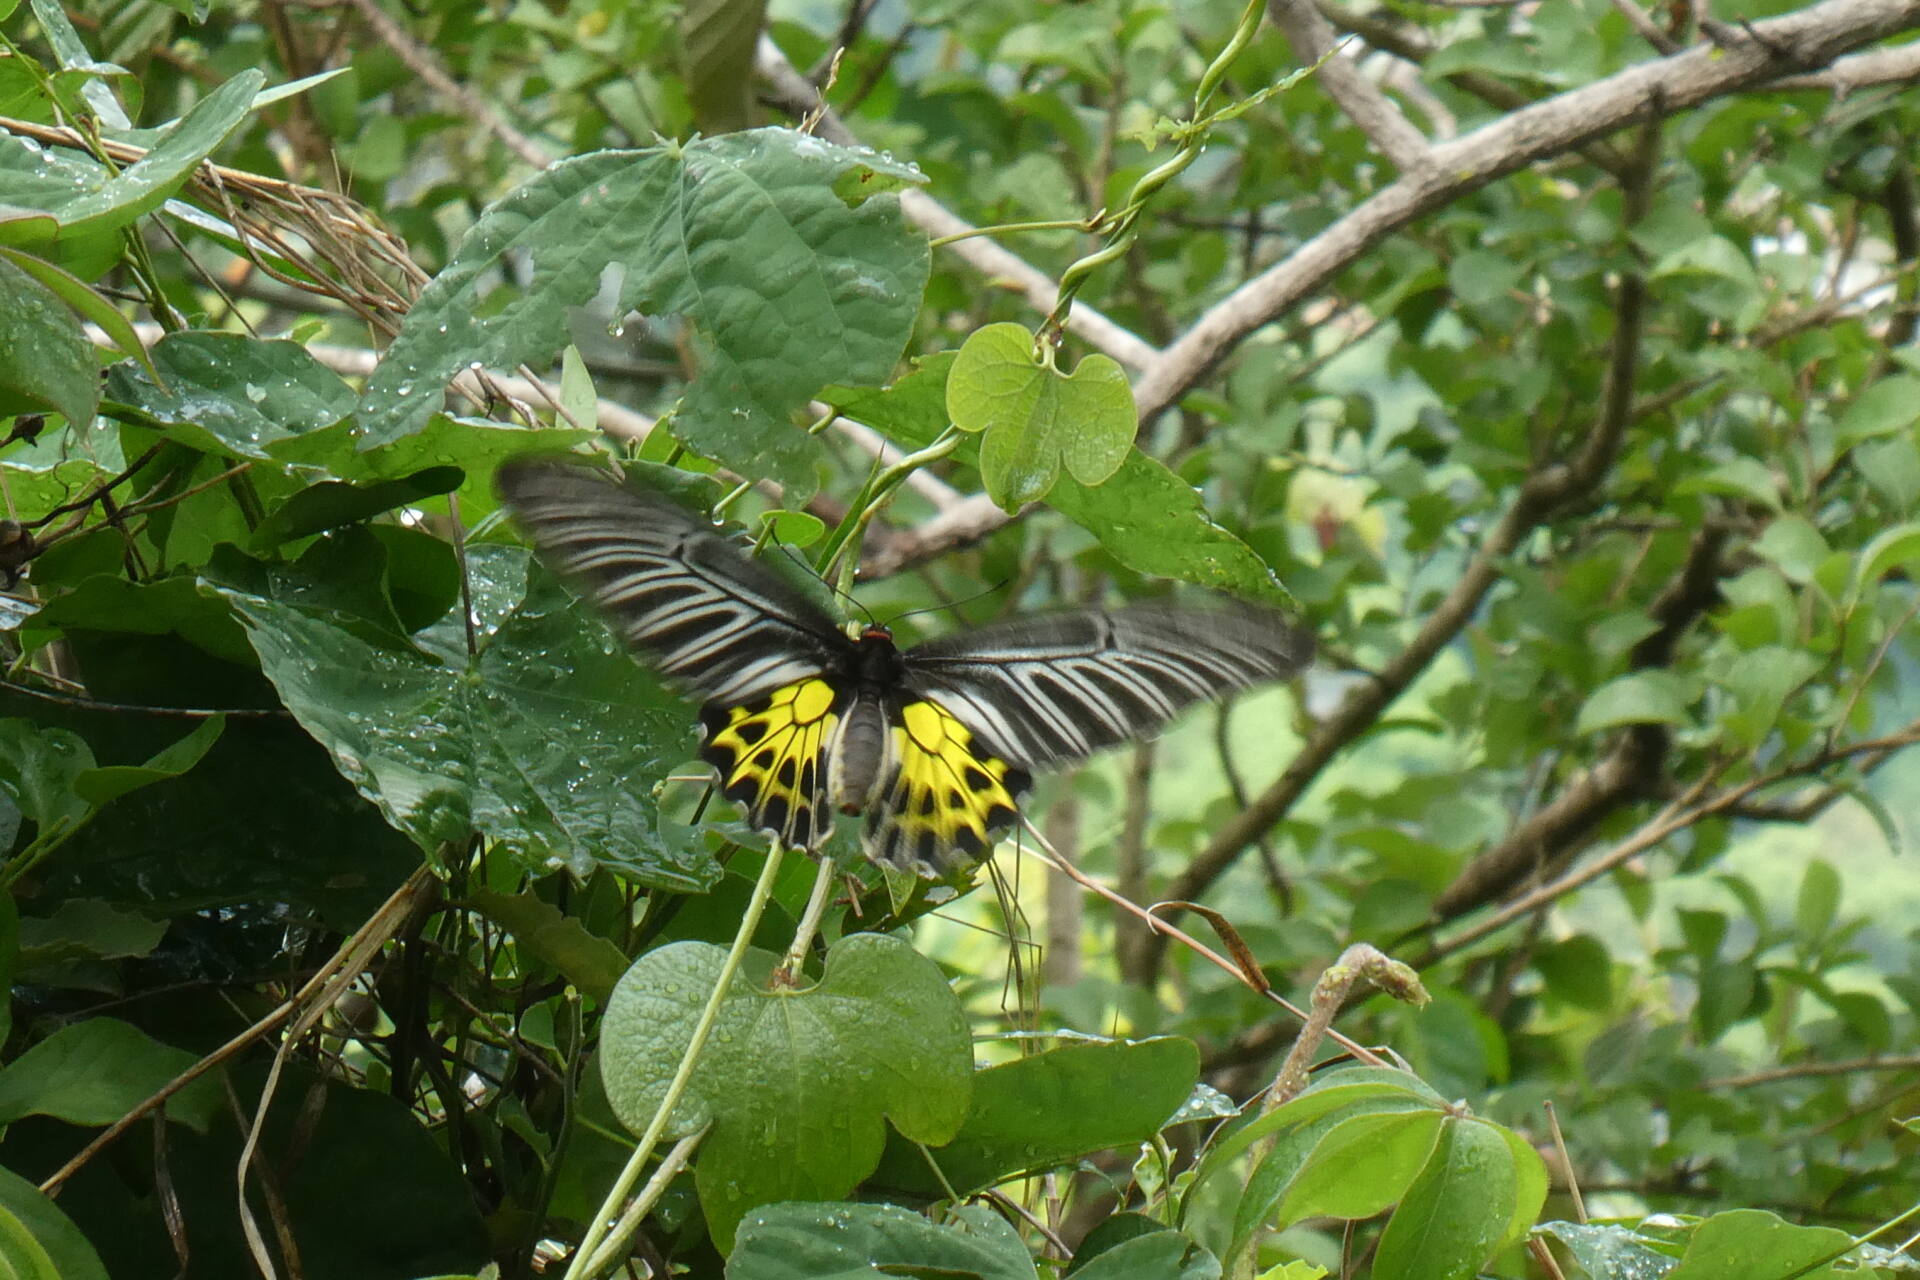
column 1034, row 420
column 110, row 200
column 1048, row 1108
column 1753, row 1244
column 795, row 1098
column 785, row 281
column 853, row 1241
column 1459, row 1210
column 67, row 1251
column 231, row 394
column 591, row 963
column 549, row 740
column 94, row 1072
column 46, row 362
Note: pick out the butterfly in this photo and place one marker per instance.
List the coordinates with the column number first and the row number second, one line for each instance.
column 935, row 744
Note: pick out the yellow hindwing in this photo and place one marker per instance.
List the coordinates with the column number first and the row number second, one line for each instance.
column 947, row 793
column 771, row 756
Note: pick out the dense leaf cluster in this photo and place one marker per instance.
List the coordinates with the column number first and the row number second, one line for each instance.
column 1556, row 363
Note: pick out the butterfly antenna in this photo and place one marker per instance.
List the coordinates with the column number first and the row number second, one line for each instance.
column 793, row 555
column 953, row 604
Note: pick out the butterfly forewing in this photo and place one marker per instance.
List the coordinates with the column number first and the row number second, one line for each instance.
column 1061, row 687
column 672, row 587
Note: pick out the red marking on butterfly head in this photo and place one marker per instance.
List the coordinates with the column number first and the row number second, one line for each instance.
column 875, row 631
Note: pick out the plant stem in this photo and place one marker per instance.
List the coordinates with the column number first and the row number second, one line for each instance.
column 583, row 1265
column 790, row 968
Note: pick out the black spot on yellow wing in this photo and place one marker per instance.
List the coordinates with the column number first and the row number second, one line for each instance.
column 948, row 795
column 769, row 754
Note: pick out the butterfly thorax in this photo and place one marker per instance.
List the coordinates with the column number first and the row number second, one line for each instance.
column 873, row 675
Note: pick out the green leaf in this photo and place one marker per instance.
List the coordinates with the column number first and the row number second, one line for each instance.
column 1888, row 406
column 1160, row 1254
column 99, row 786
column 1892, row 467
column 333, row 503
column 1480, row 278
column 45, row 359
column 1888, row 549
column 476, row 445
column 1752, row 1244
column 591, row 963
column 1046, row 1109
column 549, row 740
column 1155, row 523
column 1741, row 477
column 21, row 1256
column 1530, row 1185
column 1294, row 1144
column 812, row 1128
column 38, row 768
column 1726, row 996
column 1639, row 697
column 175, row 606
column 1818, row 902
column 1609, row 1249
column 1034, row 418
column 1144, row 515
column 229, row 394
column 86, row 928
column 76, row 294
column 1791, row 542
column 60, row 1242
column 142, row 186
column 1578, row 970
column 94, row 1072
column 1361, row 1165
column 851, row 1241
column 785, row 282
column 1457, row 1212
column 1761, row 680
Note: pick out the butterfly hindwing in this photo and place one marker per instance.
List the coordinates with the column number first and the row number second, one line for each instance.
column 1063, row 686
column 945, row 795
column 772, row 757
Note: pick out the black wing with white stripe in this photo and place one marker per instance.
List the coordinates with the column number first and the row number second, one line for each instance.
column 1061, row 687
column 719, row 623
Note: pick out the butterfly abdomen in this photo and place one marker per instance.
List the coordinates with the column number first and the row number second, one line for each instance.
column 860, row 754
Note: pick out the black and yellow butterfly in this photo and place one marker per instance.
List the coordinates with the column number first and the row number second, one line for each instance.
column 933, row 744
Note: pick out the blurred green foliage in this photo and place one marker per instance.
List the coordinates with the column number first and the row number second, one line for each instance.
column 1599, row 483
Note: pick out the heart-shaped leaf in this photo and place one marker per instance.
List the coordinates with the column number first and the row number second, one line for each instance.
column 1037, row 419
column 794, row 1083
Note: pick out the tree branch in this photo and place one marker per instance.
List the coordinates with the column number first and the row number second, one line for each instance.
column 1629, row 771
column 1313, row 39
column 1756, row 57
column 1544, row 490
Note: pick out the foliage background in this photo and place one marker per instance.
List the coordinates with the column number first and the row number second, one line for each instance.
column 1559, row 358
